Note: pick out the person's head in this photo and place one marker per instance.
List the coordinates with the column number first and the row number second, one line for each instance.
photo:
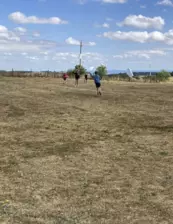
column 96, row 72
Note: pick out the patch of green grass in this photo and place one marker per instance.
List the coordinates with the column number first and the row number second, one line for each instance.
column 163, row 153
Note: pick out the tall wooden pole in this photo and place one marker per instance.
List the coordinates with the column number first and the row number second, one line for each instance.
column 80, row 56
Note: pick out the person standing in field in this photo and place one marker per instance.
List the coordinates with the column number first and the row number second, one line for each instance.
column 86, row 78
column 65, row 76
column 97, row 81
column 77, row 77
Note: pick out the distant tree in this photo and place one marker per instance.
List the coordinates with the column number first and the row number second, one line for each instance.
column 80, row 68
column 70, row 73
column 102, row 70
column 163, row 76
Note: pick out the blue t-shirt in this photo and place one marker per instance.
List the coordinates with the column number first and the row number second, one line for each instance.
column 96, row 78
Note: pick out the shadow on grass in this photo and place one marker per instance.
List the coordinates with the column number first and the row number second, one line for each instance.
column 159, row 128
column 10, row 165
column 54, row 218
column 38, row 149
column 109, row 97
column 14, row 111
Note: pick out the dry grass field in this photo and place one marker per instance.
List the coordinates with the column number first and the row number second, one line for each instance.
column 70, row 157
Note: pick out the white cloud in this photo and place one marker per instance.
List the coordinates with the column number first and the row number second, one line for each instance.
column 44, row 53
column 6, row 35
column 106, row 25
column 90, row 43
column 63, row 54
column 36, row 34
column 137, row 62
column 33, row 58
column 91, row 68
column 11, row 42
column 8, row 54
column 109, row 19
column 165, row 3
column 140, row 21
column 20, row 30
column 88, row 58
column 143, row 6
column 81, row 2
column 146, row 54
column 119, row 56
column 3, row 29
column 22, row 46
column 24, row 53
column 91, row 55
column 86, row 55
column 73, row 41
column 66, row 56
column 115, row 1
column 21, row 18
column 141, row 37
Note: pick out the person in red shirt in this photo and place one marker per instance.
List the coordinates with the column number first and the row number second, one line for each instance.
column 65, row 76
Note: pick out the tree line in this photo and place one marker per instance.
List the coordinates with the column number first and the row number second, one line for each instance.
column 102, row 71
column 161, row 76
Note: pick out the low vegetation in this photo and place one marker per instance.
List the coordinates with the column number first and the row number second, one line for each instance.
column 162, row 76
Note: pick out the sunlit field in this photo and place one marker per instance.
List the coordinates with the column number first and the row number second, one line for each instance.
column 71, row 157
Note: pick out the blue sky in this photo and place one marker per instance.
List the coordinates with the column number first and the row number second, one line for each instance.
column 45, row 34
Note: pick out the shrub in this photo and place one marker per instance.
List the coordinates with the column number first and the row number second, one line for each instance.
column 80, row 68
column 102, row 70
column 70, row 73
column 162, row 76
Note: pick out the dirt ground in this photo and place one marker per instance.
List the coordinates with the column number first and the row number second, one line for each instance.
column 70, row 157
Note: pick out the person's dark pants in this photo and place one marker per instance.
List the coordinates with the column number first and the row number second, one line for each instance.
column 98, row 85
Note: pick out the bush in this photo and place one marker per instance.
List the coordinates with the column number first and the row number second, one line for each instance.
column 163, row 76
column 81, row 69
column 102, row 70
column 70, row 73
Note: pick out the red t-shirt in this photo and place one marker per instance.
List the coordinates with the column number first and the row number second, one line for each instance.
column 65, row 76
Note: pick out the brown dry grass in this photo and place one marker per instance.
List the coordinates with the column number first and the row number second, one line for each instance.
column 69, row 157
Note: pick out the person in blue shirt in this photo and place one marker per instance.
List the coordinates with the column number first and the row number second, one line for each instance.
column 97, row 81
